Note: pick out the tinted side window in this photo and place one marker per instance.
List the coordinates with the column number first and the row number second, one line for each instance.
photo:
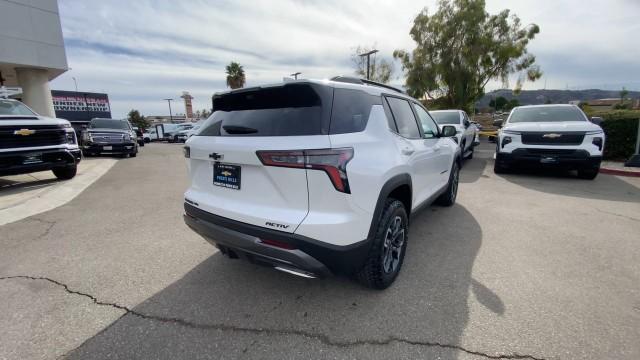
column 351, row 109
column 405, row 120
column 428, row 124
column 289, row 110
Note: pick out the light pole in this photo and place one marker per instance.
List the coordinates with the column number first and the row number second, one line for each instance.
column 170, row 114
column 75, row 82
column 295, row 75
column 368, row 55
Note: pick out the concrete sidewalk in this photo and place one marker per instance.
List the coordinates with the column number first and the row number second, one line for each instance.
column 618, row 168
column 26, row 195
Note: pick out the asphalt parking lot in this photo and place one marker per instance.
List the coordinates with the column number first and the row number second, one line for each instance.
column 524, row 266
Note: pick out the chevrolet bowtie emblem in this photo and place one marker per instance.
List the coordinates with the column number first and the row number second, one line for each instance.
column 226, row 173
column 24, row 132
column 552, row 136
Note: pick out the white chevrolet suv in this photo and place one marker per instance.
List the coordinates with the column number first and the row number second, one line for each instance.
column 316, row 177
column 552, row 136
column 466, row 136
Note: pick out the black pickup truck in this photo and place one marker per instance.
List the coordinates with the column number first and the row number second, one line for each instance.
column 109, row 136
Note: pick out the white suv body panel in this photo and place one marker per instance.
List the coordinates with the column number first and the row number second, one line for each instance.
column 276, row 195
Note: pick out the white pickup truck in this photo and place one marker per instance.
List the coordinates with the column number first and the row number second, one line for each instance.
column 30, row 142
column 466, row 135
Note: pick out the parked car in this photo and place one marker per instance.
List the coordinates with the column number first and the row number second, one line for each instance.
column 183, row 135
column 466, row 132
column 30, row 142
column 550, row 135
column 171, row 131
column 139, row 136
column 109, row 136
column 318, row 177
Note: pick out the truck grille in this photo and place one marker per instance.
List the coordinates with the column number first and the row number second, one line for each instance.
column 107, row 138
column 44, row 135
column 552, row 138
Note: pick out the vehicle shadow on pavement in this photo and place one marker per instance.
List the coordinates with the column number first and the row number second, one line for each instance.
column 226, row 308
column 552, row 181
column 472, row 169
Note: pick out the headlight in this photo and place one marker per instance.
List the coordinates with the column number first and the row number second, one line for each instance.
column 511, row 132
column 71, row 137
column 596, row 132
column 126, row 137
column 597, row 141
column 87, row 137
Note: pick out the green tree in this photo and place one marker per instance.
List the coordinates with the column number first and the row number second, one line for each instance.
column 461, row 47
column 379, row 70
column 511, row 104
column 623, row 95
column 235, row 75
column 138, row 120
column 499, row 103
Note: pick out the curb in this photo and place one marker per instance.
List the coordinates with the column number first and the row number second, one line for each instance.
column 620, row 172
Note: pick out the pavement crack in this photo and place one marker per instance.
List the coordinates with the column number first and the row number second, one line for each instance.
column 619, row 215
column 50, row 225
column 323, row 338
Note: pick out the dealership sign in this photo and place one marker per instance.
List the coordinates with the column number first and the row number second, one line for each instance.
column 80, row 106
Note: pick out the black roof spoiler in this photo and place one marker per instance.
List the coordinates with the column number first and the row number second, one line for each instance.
column 359, row 81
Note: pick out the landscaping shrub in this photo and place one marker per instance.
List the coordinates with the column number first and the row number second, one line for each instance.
column 621, row 129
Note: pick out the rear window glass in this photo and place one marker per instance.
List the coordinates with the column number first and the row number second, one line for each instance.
column 289, row 110
column 446, row 118
column 546, row 114
column 405, row 120
column 351, row 109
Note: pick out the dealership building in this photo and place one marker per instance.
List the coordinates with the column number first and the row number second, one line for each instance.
column 31, row 51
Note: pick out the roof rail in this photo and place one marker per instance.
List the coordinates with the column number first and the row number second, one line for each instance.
column 359, row 81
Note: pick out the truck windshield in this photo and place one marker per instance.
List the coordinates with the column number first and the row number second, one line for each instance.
column 446, row 117
column 12, row 107
column 109, row 124
column 546, row 114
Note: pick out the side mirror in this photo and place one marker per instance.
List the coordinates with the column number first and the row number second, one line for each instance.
column 498, row 123
column 449, row 131
column 596, row 120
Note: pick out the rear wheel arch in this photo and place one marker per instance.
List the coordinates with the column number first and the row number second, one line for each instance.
column 398, row 187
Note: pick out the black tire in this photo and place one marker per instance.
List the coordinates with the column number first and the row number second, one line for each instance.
column 141, row 143
column 385, row 258
column 134, row 154
column 65, row 173
column 588, row 174
column 499, row 169
column 470, row 156
column 147, row 140
column 448, row 198
column 175, row 139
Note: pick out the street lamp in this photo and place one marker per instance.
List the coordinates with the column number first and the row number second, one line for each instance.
column 295, row 75
column 170, row 114
column 368, row 55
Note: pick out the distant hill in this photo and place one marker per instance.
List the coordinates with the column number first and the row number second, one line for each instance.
column 534, row 97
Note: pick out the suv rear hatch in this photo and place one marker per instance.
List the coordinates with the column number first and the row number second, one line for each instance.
column 247, row 161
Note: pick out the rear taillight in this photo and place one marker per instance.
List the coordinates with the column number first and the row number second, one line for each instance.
column 331, row 161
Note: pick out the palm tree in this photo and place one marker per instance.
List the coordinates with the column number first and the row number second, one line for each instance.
column 235, row 75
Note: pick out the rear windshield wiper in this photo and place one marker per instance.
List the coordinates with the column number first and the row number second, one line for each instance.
column 232, row 129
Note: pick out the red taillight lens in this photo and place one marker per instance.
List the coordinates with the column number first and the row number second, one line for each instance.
column 332, row 161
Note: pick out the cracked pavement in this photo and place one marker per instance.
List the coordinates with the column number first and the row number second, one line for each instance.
column 523, row 267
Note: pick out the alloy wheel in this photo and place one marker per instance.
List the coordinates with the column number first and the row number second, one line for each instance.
column 393, row 242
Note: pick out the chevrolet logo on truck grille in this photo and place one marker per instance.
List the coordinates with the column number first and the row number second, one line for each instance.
column 552, row 136
column 24, row 132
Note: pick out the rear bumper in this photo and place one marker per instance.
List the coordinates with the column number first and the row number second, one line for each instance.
column 121, row 148
column 569, row 158
column 24, row 162
column 237, row 239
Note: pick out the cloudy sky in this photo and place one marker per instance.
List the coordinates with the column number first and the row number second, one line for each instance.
column 142, row 51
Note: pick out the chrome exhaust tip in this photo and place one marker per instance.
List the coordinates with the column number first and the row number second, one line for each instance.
column 297, row 272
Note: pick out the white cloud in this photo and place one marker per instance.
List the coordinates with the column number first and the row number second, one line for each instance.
column 142, row 51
